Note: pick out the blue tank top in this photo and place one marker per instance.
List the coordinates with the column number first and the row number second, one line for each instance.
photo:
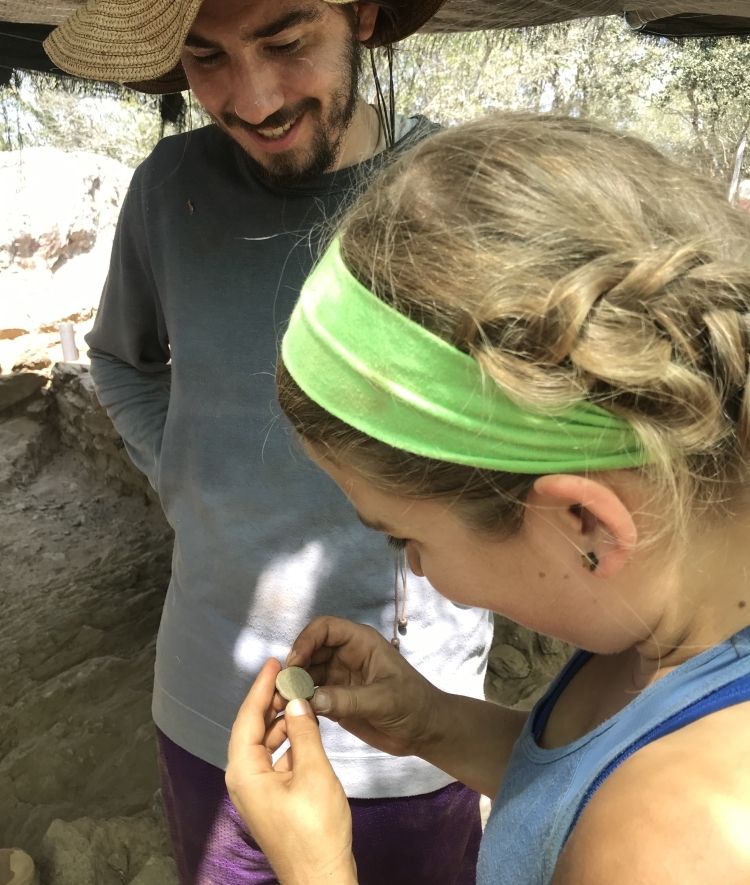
column 544, row 791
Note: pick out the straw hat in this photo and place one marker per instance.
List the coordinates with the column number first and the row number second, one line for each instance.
column 139, row 42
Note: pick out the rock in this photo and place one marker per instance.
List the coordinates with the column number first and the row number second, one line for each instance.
column 509, row 662
column 16, row 388
column 93, row 852
column 17, row 868
column 32, row 359
column 83, row 569
column 25, row 447
column 521, row 664
column 55, row 203
column 78, row 317
column 118, row 860
column 552, row 647
column 12, row 334
column 67, row 856
column 157, row 871
column 38, row 407
column 84, row 426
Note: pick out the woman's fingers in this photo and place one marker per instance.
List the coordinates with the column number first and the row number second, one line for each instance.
column 296, row 810
column 304, row 738
column 284, row 763
column 275, row 735
column 255, row 716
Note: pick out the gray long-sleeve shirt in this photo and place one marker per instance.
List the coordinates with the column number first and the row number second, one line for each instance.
column 207, row 263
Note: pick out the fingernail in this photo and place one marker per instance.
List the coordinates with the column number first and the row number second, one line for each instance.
column 321, row 701
column 291, row 658
column 298, row 707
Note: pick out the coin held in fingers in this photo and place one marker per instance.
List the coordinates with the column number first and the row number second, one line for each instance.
column 294, row 682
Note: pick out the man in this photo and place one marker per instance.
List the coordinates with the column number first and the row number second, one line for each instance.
column 219, row 229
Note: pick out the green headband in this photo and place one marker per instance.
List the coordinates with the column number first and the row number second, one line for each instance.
column 388, row 377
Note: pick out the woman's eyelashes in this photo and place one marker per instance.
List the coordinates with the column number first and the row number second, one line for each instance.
column 397, row 543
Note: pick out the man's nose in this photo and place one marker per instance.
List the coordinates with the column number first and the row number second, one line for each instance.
column 257, row 92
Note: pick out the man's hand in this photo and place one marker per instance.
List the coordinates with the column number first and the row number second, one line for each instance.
column 296, row 809
column 367, row 686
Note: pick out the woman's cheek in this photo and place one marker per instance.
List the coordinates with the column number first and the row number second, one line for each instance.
column 442, row 576
column 414, row 559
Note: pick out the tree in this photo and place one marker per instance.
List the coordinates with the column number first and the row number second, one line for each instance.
column 691, row 98
column 71, row 114
column 709, row 87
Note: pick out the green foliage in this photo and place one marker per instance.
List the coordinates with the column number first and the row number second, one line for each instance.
column 72, row 114
column 709, row 88
column 691, row 98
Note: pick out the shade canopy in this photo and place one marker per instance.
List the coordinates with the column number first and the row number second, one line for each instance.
column 24, row 24
column 673, row 18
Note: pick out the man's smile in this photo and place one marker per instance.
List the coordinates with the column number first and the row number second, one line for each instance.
column 274, row 139
column 279, row 130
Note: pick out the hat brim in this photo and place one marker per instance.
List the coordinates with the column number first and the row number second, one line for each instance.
column 125, row 41
column 407, row 19
column 174, row 81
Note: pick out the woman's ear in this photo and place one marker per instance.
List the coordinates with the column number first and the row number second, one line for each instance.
column 368, row 14
column 593, row 517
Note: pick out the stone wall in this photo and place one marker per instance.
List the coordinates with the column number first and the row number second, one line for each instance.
column 83, row 426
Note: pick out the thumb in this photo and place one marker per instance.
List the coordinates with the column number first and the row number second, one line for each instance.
column 304, row 735
column 362, row 702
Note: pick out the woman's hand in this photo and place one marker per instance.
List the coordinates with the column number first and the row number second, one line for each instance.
column 296, row 809
column 368, row 687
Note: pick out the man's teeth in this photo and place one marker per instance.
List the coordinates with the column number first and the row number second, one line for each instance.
column 279, row 131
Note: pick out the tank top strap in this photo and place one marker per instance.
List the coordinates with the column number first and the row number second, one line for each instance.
column 542, row 712
column 735, row 692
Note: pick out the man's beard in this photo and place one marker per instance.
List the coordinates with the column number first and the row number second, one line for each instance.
column 329, row 131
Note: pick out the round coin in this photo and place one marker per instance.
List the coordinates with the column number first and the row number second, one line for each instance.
column 294, row 682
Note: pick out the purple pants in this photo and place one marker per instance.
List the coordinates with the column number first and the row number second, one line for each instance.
column 416, row 840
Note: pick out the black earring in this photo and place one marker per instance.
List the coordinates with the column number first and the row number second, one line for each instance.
column 590, row 561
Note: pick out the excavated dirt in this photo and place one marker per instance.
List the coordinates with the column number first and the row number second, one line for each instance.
column 83, row 574
column 84, row 566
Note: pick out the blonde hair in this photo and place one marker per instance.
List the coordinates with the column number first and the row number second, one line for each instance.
column 571, row 262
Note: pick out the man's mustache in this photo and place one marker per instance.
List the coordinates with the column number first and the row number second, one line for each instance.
column 273, row 121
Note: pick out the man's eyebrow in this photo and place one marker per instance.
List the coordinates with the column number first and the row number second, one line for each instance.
column 195, row 41
column 290, row 20
column 374, row 524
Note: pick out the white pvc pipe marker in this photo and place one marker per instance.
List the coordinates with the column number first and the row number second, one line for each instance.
column 68, row 341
